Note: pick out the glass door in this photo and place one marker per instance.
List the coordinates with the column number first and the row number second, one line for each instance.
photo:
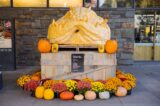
column 7, row 51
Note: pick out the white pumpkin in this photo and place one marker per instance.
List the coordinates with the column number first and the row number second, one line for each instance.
column 104, row 95
column 78, row 97
column 121, row 91
column 90, row 95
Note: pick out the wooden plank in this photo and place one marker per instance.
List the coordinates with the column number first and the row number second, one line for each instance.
column 143, row 52
column 157, row 53
column 78, row 46
column 91, row 58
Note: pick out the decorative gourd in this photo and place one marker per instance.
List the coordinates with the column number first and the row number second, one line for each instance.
column 44, row 46
column 104, row 95
column 90, row 95
column 111, row 46
column 39, row 92
column 35, row 78
column 78, row 97
column 48, row 94
column 54, row 48
column 101, row 48
column 66, row 95
column 121, row 91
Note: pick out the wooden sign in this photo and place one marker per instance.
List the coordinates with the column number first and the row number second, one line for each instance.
column 77, row 63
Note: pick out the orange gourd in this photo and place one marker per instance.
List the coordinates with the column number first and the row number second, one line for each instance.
column 35, row 78
column 66, row 95
column 44, row 46
column 111, row 46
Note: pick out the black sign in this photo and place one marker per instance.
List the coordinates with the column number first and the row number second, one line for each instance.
column 77, row 62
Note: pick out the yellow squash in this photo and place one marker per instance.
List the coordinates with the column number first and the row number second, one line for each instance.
column 48, row 94
column 39, row 93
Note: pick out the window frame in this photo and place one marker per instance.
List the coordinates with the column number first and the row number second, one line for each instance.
column 133, row 6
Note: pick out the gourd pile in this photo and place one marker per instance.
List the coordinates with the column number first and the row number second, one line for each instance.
column 78, row 89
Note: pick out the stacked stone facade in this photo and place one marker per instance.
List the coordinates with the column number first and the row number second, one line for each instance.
column 32, row 24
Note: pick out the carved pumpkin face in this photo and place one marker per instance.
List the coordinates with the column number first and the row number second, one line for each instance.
column 101, row 48
column 79, row 26
column 44, row 46
column 66, row 95
column 111, row 46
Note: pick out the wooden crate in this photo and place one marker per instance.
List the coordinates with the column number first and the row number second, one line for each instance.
column 96, row 65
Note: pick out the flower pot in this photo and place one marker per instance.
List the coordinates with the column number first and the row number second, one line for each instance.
column 76, row 92
column 56, row 94
column 97, row 95
column 1, row 28
column 129, row 92
column 32, row 93
column 112, row 94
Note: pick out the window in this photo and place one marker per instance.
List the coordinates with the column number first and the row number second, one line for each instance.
column 5, row 34
column 5, row 3
column 144, row 27
column 90, row 3
column 65, row 3
column 115, row 3
column 148, row 3
column 29, row 3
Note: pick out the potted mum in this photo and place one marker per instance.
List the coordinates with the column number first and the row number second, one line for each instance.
column 128, row 80
column 111, row 87
column 97, row 87
column 31, row 86
column 59, row 87
column 71, row 85
column 83, row 86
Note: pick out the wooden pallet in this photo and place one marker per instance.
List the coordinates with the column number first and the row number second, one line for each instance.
column 78, row 47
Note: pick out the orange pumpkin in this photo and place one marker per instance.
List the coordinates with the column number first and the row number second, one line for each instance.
column 111, row 46
column 35, row 78
column 44, row 46
column 66, row 95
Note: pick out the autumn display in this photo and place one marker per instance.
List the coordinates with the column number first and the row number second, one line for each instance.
column 78, row 89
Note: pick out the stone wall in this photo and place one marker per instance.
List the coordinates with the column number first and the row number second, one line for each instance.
column 32, row 24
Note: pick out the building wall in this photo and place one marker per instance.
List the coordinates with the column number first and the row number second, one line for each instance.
column 32, row 24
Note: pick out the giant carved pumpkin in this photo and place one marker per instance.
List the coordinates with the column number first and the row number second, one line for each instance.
column 79, row 26
column 44, row 46
column 66, row 95
column 111, row 46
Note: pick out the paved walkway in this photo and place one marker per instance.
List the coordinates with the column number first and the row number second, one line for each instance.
column 147, row 92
